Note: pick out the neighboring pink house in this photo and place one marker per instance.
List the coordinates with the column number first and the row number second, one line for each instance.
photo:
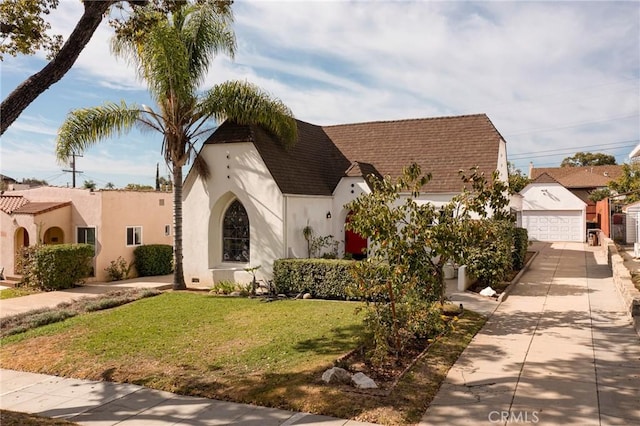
column 114, row 221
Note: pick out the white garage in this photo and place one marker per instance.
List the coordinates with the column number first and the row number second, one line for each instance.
column 554, row 225
column 550, row 212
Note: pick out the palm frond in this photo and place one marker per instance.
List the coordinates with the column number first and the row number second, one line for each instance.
column 245, row 103
column 206, row 34
column 86, row 126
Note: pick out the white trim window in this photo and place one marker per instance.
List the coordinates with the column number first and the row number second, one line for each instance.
column 167, row 230
column 134, row 236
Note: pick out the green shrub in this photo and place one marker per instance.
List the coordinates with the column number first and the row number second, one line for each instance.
column 323, row 278
column 490, row 258
column 226, row 287
column 153, row 259
column 56, row 267
column 118, row 269
column 520, row 245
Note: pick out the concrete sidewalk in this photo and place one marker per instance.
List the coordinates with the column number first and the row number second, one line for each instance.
column 98, row 403
column 52, row 299
column 559, row 351
column 105, row 403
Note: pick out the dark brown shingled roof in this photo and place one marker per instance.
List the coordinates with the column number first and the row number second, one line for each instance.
column 581, row 177
column 9, row 203
column 312, row 166
column 441, row 146
column 40, row 207
column 323, row 155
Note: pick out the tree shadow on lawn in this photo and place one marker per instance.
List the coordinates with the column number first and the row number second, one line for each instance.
column 335, row 343
column 305, row 391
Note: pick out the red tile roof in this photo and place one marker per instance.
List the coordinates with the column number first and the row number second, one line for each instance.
column 581, row 177
column 9, row 203
column 322, row 155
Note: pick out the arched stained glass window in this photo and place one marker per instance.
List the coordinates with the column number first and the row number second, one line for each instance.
column 235, row 234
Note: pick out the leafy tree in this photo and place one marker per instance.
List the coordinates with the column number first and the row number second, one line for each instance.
column 588, row 159
column 402, row 277
column 89, row 184
column 173, row 56
column 138, row 187
column 109, row 185
column 628, row 184
column 599, row 194
column 34, row 182
column 23, row 29
column 517, row 179
column 165, row 184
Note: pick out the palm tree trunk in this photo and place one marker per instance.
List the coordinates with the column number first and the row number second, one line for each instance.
column 178, row 272
column 31, row 88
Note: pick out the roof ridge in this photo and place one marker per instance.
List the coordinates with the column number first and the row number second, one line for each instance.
column 405, row 120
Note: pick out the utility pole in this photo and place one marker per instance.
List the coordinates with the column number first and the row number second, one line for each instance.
column 73, row 170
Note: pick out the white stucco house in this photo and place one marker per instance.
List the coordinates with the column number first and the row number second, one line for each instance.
column 550, row 212
column 259, row 196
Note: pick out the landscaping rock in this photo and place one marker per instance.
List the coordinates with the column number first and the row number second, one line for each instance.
column 336, row 375
column 234, row 294
column 362, row 381
column 488, row 291
column 307, row 296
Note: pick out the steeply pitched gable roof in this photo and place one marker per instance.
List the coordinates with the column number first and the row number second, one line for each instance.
column 545, row 178
column 441, row 146
column 323, row 155
column 580, row 177
column 312, row 166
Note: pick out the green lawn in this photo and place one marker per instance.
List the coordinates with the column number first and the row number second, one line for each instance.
column 244, row 350
column 9, row 293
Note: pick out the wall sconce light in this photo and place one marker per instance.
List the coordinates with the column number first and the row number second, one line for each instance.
column 328, row 215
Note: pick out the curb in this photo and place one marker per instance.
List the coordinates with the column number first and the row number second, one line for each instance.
column 503, row 296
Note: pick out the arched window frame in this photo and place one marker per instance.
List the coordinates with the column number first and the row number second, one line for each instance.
column 235, row 234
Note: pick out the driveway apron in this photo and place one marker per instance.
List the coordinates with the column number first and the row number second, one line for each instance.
column 559, row 351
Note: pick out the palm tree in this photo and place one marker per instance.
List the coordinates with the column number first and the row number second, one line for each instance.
column 172, row 56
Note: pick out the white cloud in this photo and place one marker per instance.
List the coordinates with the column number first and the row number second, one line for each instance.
column 536, row 68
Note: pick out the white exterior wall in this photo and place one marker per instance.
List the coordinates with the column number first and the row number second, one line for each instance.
column 502, row 166
column 544, row 199
column 632, row 224
column 237, row 171
column 307, row 210
column 549, row 196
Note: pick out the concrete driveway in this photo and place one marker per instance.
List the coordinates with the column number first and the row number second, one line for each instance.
column 559, row 351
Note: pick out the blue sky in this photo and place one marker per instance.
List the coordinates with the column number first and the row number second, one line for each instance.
column 554, row 77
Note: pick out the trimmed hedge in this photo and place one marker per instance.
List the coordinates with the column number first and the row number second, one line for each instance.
column 323, row 278
column 520, row 246
column 56, row 267
column 153, row 259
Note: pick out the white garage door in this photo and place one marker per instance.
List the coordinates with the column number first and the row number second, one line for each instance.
column 563, row 225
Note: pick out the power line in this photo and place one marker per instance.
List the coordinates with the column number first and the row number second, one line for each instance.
column 570, row 151
column 578, row 124
column 623, row 144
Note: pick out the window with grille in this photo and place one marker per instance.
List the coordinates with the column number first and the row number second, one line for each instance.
column 235, row 234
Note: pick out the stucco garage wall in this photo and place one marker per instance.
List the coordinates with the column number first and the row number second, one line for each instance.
column 550, row 212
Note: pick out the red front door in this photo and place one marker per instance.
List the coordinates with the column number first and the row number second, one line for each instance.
column 354, row 244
